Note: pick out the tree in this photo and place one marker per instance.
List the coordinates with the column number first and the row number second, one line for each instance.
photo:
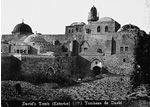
column 141, row 74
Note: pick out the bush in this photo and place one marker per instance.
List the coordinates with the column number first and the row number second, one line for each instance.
column 62, row 80
column 42, row 77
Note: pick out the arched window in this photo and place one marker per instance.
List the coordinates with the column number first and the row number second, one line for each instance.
column 69, row 31
column 77, row 29
column 126, row 48
column 98, row 29
column 50, row 71
column 106, row 28
column 84, row 46
column 72, row 30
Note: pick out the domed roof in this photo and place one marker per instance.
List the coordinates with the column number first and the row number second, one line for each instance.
column 22, row 27
column 93, row 14
column 35, row 38
column 106, row 19
column 93, row 9
column 78, row 23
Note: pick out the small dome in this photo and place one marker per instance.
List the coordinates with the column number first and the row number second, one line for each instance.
column 35, row 38
column 23, row 28
column 93, row 14
column 93, row 9
column 106, row 19
column 78, row 23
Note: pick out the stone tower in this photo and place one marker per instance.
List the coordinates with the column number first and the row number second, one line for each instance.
column 93, row 15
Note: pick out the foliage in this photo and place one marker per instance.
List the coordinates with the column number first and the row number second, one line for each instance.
column 142, row 60
column 59, row 78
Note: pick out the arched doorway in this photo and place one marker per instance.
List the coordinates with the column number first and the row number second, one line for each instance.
column 50, row 71
column 96, row 67
column 96, row 70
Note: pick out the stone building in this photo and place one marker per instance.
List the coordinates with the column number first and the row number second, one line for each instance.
column 101, row 43
column 23, row 41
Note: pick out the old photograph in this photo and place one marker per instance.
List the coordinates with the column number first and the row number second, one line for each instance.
column 75, row 53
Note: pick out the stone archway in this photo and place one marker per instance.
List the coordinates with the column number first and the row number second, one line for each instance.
column 96, row 67
column 50, row 71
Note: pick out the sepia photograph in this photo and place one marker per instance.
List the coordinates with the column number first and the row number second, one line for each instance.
column 75, row 53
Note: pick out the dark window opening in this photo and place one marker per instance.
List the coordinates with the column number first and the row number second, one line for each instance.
column 96, row 70
column 77, row 29
column 17, row 51
column 121, row 49
column 88, row 31
column 106, row 28
column 98, row 29
column 75, row 49
column 124, row 60
column 80, row 30
column 25, row 51
column 69, row 31
column 72, row 30
column 85, row 49
column 113, row 49
column 64, row 49
column 99, row 50
column 21, row 51
column 57, row 42
column 126, row 48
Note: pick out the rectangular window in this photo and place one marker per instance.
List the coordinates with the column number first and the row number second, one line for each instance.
column 121, row 49
column 124, row 60
column 17, row 51
column 77, row 29
column 88, row 31
column 126, row 48
column 85, row 49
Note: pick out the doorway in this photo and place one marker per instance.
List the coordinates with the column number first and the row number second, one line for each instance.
column 96, row 70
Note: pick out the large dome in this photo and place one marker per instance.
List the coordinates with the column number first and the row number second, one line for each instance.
column 22, row 28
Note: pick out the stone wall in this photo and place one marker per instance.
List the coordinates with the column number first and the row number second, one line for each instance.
column 111, row 64
column 26, row 66
column 115, row 64
column 44, row 63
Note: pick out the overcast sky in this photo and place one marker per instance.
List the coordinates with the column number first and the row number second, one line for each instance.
column 51, row 16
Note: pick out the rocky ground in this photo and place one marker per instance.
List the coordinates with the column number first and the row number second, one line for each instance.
column 107, row 88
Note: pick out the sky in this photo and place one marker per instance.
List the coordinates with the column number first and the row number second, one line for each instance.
column 51, row 16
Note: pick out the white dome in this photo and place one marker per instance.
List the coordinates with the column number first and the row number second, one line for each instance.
column 78, row 23
column 106, row 19
column 36, row 38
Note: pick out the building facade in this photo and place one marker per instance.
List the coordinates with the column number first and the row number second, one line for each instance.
column 100, row 44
